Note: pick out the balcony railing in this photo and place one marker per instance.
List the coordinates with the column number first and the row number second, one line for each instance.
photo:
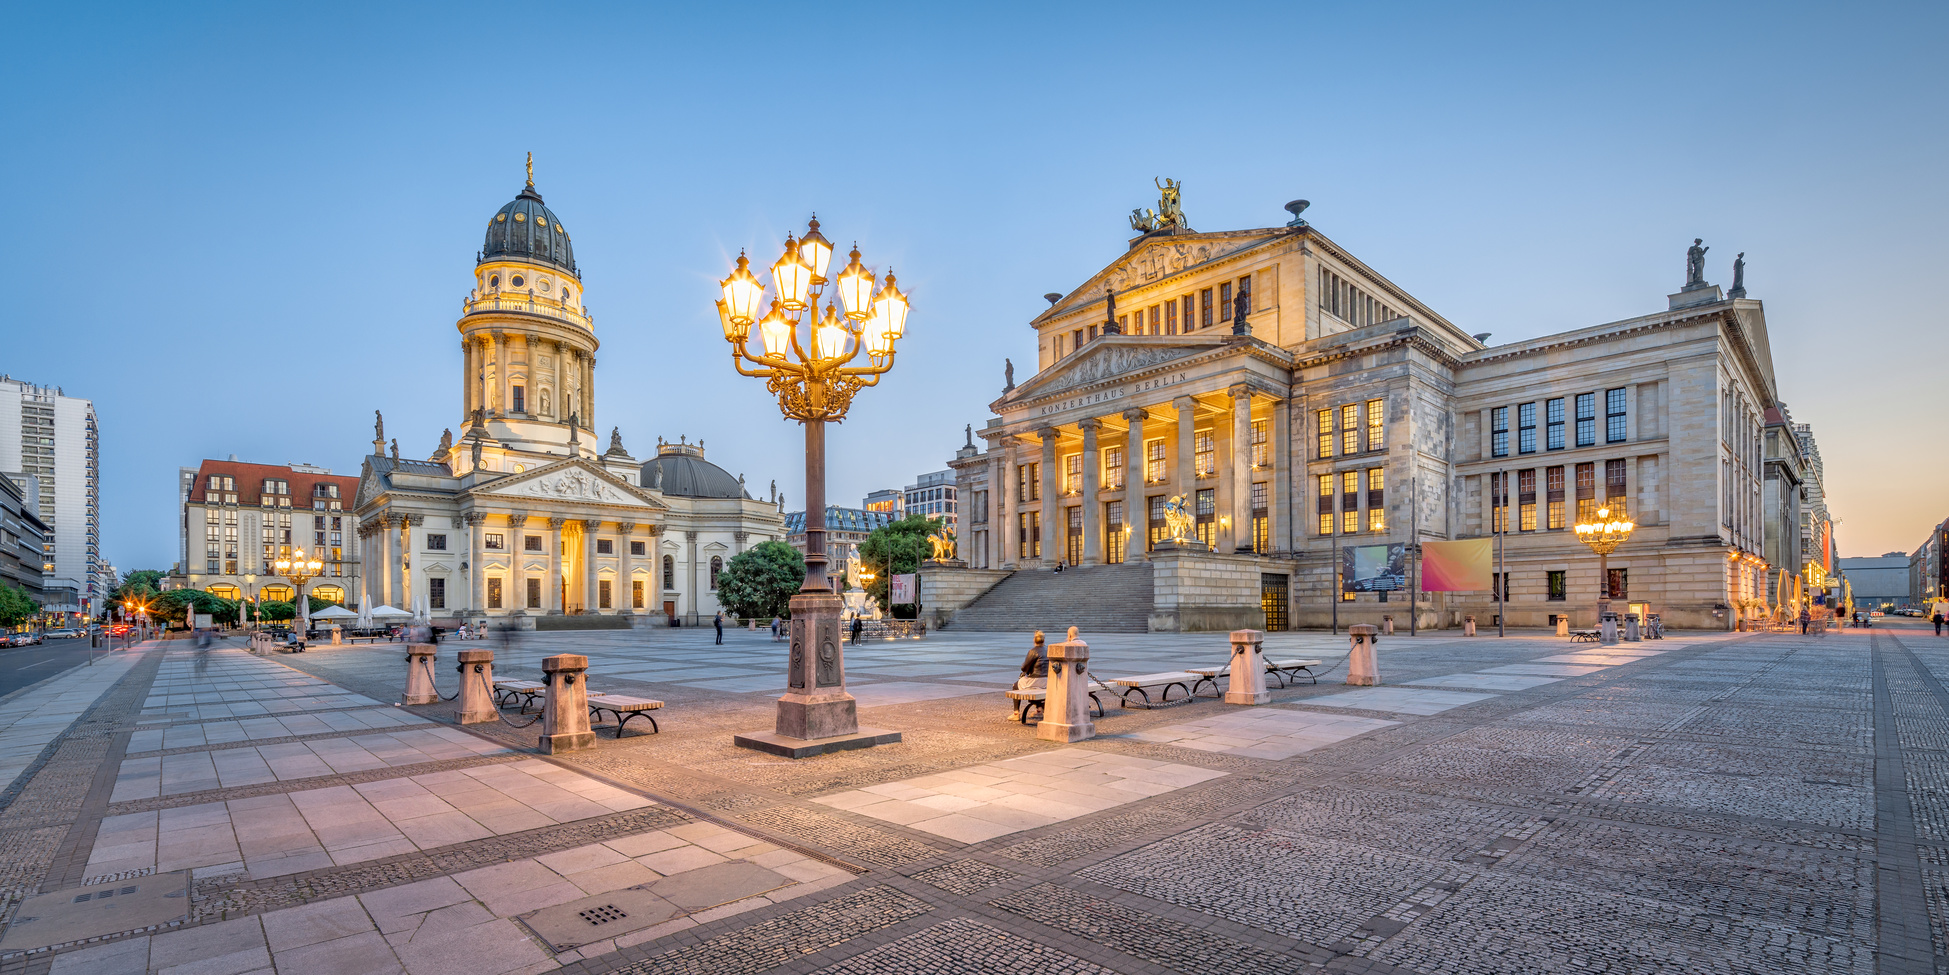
column 527, row 305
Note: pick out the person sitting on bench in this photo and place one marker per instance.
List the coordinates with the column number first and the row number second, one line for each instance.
column 1035, row 667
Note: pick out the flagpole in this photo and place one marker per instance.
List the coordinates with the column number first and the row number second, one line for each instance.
column 1502, row 562
column 1414, row 548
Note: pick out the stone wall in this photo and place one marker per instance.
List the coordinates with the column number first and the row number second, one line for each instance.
column 1205, row 591
column 945, row 591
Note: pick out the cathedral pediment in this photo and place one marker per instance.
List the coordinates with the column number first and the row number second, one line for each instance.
column 573, row 480
column 1159, row 258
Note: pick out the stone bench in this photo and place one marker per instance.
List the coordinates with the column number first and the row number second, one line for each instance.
column 624, row 707
column 1140, row 685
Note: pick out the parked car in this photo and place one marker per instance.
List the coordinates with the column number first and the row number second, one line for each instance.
column 23, row 639
column 64, row 633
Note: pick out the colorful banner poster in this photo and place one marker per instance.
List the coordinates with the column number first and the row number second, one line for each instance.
column 901, row 589
column 1373, row 568
column 1466, row 566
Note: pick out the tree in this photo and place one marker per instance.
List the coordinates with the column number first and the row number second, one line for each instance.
column 171, row 606
column 760, row 581
column 276, row 611
column 140, row 584
column 16, row 607
column 896, row 548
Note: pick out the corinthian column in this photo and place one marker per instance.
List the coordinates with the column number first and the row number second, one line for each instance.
column 552, row 599
column 1051, row 498
column 1092, row 534
column 625, row 570
column 592, row 579
column 1241, row 467
column 1135, row 506
column 1187, row 448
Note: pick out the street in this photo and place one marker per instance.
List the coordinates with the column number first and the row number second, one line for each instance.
column 22, row 666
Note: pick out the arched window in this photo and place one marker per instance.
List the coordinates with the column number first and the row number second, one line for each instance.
column 333, row 594
column 717, row 565
column 278, row 594
column 669, row 573
column 224, row 592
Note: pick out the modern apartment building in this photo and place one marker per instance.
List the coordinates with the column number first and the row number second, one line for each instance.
column 934, row 495
column 22, row 540
column 52, row 438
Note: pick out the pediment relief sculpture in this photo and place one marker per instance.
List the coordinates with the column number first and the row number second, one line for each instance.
column 1114, row 360
column 571, row 483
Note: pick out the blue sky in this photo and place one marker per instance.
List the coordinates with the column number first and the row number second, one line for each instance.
column 241, row 229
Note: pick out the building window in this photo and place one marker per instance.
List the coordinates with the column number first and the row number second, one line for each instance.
column 531, row 543
column 518, row 398
column 1559, row 585
column 1324, row 505
column 1553, row 484
column 1325, row 420
column 1170, row 318
column 494, row 592
column 1112, row 472
column 1614, row 415
column 637, row 548
column 1499, row 586
column 1586, row 419
column 1190, row 309
column 1204, row 300
column 1114, row 532
column 1154, row 461
column 1349, row 429
column 1028, row 483
column 1073, row 536
column 605, row 546
column 1206, row 511
column 1072, row 473
column 1614, row 486
column 1155, row 529
column 1225, row 302
column 1349, row 502
column 602, row 594
column 1526, row 428
column 1498, row 503
column 1499, row 431
column 669, row 573
column 1553, row 420
column 436, row 543
column 1586, row 492
column 717, row 566
column 1526, row 500
column 1620, row 584
column 1029, row 524
column 534, row 593
column 436, row 593
column 1204, row 453
column 1375, row 429
column 1376, row 499
column 636, row 594
column 1261, row 449
column 1155, row 320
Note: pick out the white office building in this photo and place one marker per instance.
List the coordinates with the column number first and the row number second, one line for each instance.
column 51, row 437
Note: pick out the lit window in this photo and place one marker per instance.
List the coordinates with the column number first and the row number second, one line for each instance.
column 1072, row 474
column 1204, row 453
column 1261, row 449
column 1154, row 455
column 1375, row 428
column 1325, row 504
column 1112, row 471
column 1526, row 500
column 1376, row 499
column 1349, row 429
column 1349, row 502
column 493, row 540
column 1325, row 420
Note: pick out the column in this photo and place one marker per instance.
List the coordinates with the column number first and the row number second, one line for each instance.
column 737, row 542
column 1092, row 509
column 1135, row 509
column 625, row 570
column 690, row 575
column 1241, row 473
column 366, row 563
column 467, row 376
column 1054, row 535
column 589, row 390
column 406, row 557
column 1187, row 447
column 560, row 403
column 516, row 601
column 551, row 598
column 477, row 581
column 1280, row 498
column 592, row 579
column 1011, row 548
column 390, row 541
column 504, row 373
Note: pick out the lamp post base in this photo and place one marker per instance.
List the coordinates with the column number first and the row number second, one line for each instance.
column 816, row 715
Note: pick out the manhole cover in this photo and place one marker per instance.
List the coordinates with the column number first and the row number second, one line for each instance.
column 90, row 912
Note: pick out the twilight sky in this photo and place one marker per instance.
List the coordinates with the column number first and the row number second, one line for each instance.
column 242, row 228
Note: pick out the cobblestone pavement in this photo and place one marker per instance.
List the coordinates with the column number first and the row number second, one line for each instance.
column 1709, row 803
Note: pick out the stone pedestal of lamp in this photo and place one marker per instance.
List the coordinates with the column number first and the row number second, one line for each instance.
column 565, row 715
column 1066, row 703
column 419, row 675
column 1246, row 685
column 476, row 702
column 1362, row 668
column 816, row 715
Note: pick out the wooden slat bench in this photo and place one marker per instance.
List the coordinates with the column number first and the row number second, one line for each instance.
column 624, row 707
column 1279, row 670
column 1585, row 636
column 1140, row 685
column 507, row 692
column 1037, row 698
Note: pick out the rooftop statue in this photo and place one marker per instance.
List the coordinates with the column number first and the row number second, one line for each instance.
column 1008, row 374
column 1170, row 211
column 1695, row 264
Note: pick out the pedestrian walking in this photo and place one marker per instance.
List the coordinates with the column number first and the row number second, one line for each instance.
column 719, row 623
column 1805, row 618
column 1938, row 622
column 857, row 626
column 775, row 627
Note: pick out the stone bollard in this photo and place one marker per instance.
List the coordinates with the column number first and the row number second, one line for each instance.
column 1247, row 682
column 565, row 715
column 419, row 674
column 1607, row 629
column 1387, row 626
column 1362, row 669
column 1562, row 625
column 476, row 688
column 1631, row 632
column 1468, row 626
column 338, row 635
column 1066, row 704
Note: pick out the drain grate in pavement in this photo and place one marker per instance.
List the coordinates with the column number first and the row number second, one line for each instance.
column 598, row 916
column 77, row 913
column 602, row 916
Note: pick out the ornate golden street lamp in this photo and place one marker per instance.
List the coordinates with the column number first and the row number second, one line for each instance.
column 1604, row 534
column 811, row 362
column 300, row 570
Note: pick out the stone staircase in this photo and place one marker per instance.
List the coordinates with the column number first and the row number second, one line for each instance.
column 1096, row 599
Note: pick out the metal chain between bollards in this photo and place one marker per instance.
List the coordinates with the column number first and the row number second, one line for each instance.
column 427, row 662
column 497, row 704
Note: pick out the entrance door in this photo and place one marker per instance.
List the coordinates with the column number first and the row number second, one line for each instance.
column 1272, row 598
column 1075, row 535
column 670, row 609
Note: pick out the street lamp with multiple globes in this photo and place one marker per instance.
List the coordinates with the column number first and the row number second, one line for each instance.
column 300, row 570
column 811, row 363
column 1604, row 533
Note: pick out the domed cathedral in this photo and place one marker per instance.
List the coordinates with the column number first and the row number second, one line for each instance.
column 527, row 518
